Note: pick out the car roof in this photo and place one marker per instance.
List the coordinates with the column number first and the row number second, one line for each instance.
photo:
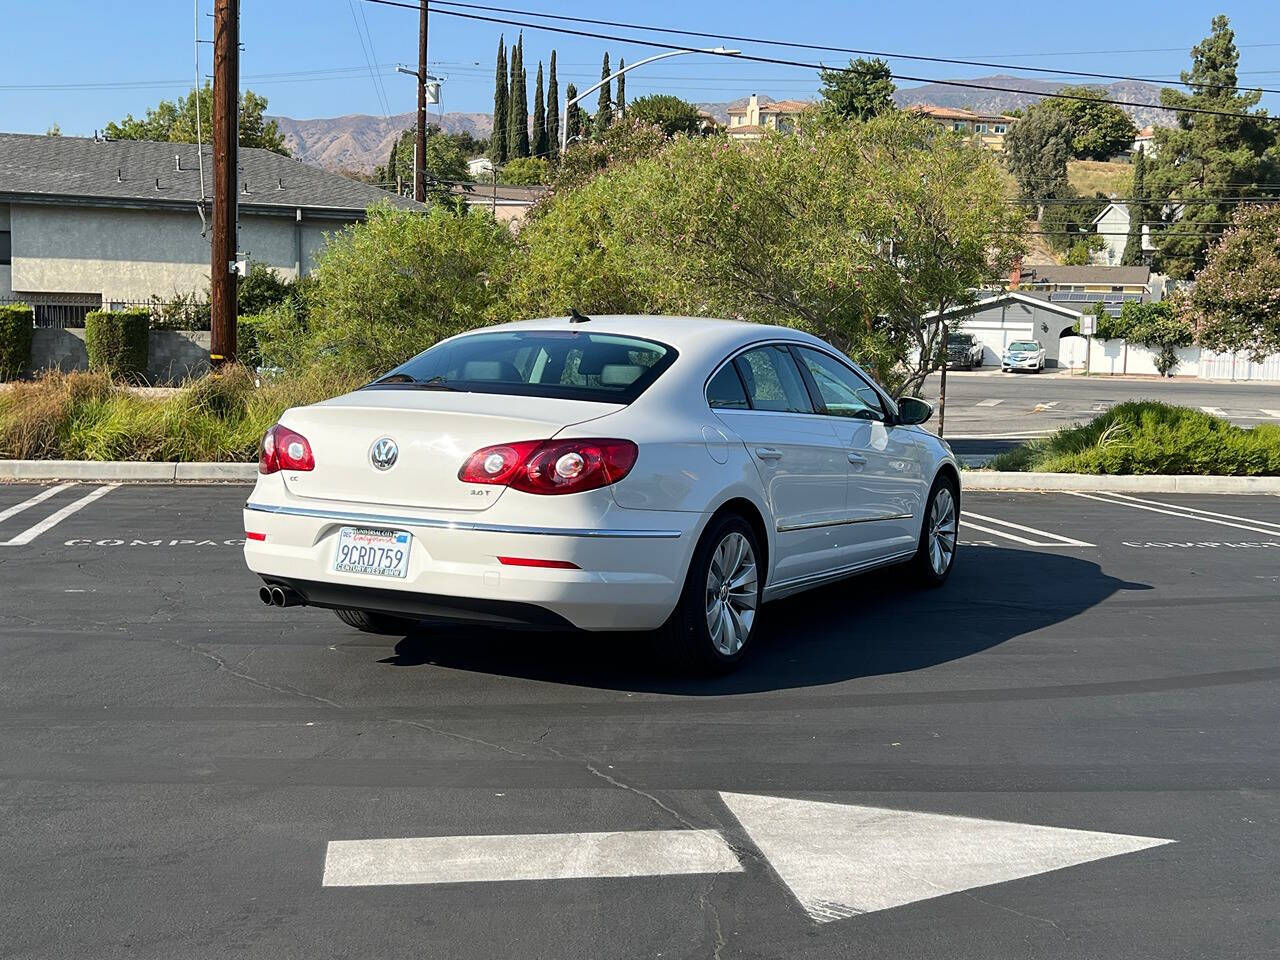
column 684, row 333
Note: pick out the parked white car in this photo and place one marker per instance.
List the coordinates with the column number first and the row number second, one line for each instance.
column 609, row 474
column 1023, row 355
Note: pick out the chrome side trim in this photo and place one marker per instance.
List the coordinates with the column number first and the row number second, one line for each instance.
column 397, row 520
column 860, row 567
column 787, row 527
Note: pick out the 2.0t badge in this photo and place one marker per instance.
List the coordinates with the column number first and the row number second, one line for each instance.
column 383, row 454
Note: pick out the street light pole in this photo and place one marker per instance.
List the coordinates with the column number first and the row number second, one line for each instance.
column 564, row 117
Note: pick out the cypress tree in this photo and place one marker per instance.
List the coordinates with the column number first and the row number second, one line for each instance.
column 498, row 142
column 391, row 163
column 622, row 87
column 1132, row 256
column 553, row 109
column 604, row 106
column 539, row 118
column 518, row 117
column 572, row 117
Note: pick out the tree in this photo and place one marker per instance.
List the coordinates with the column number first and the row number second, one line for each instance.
column 1099, row 130
column 54, row 130
column 1133, row 255
column 553, row 109
column 1158, row 326
column 1036, row 150
column 540, row 147
column 444, row 165
column 622, row 88
column 573, row 116
column 388, row 287
column 525, row 171
column 172, row 121
column 518, row 111
column 498, row 143
column 861, row 92
column 1235, row 303
column 854, row 232
column 604, row 103
column 1208, row 160
column 670, row 113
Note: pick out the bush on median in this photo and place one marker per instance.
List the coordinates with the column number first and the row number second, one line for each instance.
column 116, row 342
column 16, row 326
column 1147, row 437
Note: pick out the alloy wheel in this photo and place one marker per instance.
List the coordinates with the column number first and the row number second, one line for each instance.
column 942, row 531
column 732, row 594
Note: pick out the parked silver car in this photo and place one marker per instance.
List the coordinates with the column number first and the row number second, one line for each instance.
column 1023, row 355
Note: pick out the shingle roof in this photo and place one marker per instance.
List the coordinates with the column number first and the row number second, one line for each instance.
column 141, row 172
column 957, row 113
column 1116, row 276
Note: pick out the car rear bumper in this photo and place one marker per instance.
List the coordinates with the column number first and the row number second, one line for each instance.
column 630, row 565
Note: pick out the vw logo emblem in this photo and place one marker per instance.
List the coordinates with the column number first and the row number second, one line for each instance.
column 384, row 453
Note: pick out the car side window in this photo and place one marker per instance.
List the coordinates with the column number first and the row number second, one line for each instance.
column 725, row 391
column 773, row 380
column 843, row 392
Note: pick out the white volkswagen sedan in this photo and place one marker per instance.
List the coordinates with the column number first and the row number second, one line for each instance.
column 608, row 473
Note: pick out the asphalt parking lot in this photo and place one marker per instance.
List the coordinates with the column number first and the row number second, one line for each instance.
column 1068, row 751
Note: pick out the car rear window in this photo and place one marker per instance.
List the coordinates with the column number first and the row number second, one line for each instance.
column 565, row 364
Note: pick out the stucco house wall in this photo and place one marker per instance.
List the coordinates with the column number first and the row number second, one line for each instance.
column 1003, row 320
column 131, row 254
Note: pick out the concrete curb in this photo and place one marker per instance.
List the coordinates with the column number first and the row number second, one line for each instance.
column 119, row 470
column 995, row 480
column 989, row 480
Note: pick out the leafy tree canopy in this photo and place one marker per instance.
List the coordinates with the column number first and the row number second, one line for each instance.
column 1036, row 151
column 863, row 91
column 172, row 121
column 1099, row 130
column 663, row 110
column 1208, row 157
column 1235, row 303
column 525, row 171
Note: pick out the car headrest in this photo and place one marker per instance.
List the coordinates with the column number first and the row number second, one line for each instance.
column 490, row 370
column 620, row 374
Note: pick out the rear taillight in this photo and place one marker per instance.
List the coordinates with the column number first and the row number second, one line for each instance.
column 285, row 449
column 551, row 466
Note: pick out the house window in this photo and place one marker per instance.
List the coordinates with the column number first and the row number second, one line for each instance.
column 1001, row 128
column 958, row 126
column 6, row 248
column 980, row 127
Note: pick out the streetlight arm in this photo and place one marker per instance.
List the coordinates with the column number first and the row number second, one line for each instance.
column 564, row 126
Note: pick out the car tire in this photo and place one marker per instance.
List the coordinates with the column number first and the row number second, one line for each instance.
column 937, row 532
column 688, row 640
column 372, row 621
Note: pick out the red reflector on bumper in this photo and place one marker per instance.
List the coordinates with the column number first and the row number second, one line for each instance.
column 533, row 562
column 254, row 536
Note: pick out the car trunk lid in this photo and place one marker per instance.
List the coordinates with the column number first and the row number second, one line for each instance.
column 434, row 432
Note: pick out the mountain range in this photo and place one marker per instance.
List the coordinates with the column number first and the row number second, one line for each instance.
column 359, row 142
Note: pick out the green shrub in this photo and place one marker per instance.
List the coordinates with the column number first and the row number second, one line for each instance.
column 1144, row 437
column 117, row 341
column 16, row 325
column 183, row 311
column 525, row 171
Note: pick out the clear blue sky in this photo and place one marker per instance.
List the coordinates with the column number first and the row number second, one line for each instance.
column 112, row 59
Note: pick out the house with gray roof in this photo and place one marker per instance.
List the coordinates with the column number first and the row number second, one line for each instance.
column 85, row 223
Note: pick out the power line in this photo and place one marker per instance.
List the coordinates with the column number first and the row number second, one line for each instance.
column 829, row 49
column 968, row 85
column 377, row 91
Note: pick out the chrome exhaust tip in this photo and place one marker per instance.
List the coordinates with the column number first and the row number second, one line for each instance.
column 264, row 594
column 278, row 597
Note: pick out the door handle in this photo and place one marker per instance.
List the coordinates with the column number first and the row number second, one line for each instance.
column 856, row 458
column 768, row 453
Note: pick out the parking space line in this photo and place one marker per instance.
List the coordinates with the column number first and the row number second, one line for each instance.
column 988, row 403
column 1272, row 413
column 1171, row 513
column 1215, row 411
column 40, row 497
column 1067, row 541
column 1207, row 513
column 55, row 518
column 969, row 525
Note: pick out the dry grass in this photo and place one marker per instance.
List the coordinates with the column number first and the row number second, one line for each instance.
column 85, row 416
column 1090, row 177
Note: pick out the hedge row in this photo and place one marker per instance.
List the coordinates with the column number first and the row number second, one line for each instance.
column 116, row 341
column 16, row 323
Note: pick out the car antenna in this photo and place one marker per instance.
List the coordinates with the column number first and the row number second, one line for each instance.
column 576, row 317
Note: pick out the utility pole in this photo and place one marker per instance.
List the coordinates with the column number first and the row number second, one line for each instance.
column 419, row 179
column 226, row 102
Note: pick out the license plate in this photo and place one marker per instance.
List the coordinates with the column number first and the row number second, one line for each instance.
column 379, row 553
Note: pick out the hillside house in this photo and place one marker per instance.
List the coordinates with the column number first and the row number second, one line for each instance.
column 987, row 130
column 753, row 121
column 1112, row 227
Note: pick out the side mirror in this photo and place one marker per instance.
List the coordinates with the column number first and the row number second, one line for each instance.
column 913, row 410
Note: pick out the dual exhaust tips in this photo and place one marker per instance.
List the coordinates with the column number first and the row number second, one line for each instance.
column 279, row 597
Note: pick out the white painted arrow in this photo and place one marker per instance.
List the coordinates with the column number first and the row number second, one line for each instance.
column 535, row 856
column 841, row 860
